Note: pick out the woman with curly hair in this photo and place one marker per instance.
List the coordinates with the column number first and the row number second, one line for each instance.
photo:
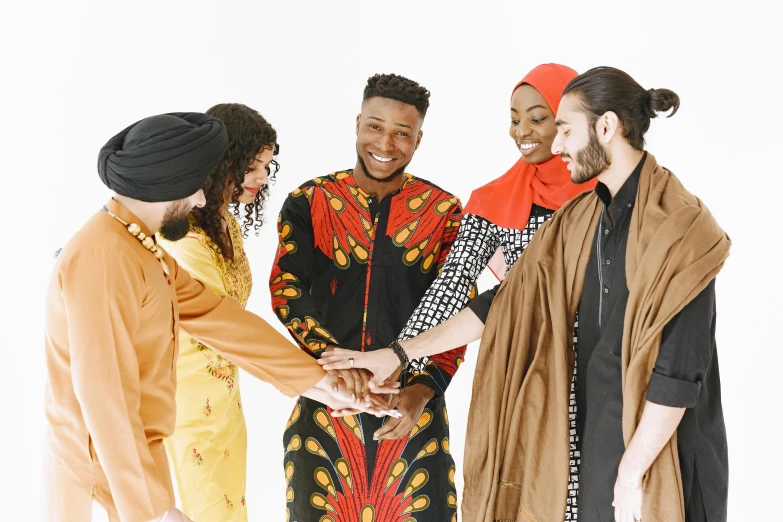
column 209, row 447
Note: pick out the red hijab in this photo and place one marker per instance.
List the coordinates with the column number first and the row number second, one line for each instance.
column 507, row 201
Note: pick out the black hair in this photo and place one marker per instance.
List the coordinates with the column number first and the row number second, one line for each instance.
column 399, row 88
column 605, row 89
column 248, row 134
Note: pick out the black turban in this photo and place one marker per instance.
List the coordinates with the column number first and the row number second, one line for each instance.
column 163, row 158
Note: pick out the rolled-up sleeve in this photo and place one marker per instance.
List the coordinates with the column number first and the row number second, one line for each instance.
column 481, row 304
column 687, row 350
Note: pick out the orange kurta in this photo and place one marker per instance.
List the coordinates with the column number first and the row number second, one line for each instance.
column 111, row 347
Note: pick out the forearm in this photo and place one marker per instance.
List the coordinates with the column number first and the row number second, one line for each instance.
column 462, row 329
column 657, row 426
column 463, row 262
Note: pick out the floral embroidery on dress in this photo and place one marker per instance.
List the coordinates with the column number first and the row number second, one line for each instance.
column 196, row 457
column 218, row 366
column 210, row 439
column 238, row 283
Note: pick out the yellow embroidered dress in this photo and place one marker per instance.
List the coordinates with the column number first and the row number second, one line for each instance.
column 208, row 450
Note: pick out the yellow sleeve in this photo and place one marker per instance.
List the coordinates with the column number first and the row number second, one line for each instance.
column 242, row 337
column 102, row 293
column 200, row 260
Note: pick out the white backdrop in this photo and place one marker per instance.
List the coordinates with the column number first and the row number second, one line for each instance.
column 76, row 72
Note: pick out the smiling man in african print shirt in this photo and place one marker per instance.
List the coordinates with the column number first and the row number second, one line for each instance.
column 358, row 250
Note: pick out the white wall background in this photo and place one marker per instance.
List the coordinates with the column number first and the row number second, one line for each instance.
column 76, row 72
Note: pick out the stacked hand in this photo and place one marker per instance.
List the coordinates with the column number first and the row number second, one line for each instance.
column 410, row 405
column 375, row 368
column 347, row 393
column 380, row 363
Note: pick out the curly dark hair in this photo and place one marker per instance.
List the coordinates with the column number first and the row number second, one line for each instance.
column 396, row 87
column 248, row 133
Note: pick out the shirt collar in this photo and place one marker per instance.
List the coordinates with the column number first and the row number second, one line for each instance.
column 626, row 196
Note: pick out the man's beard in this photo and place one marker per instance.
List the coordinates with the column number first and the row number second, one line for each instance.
column 396, row 174
column 590, row 161
column 176, row 222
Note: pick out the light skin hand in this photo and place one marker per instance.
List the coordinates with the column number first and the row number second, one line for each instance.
column 655, row 429
column 355, row 381
column 380, row 363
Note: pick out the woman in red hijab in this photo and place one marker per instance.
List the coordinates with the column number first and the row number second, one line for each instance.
column 498, row 222
column 514, row 205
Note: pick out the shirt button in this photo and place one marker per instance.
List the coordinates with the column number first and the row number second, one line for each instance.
column 629, row 205
column 606, row 231
column 608, row 261
column 606, row 290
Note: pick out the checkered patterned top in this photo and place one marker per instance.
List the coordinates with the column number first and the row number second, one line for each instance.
column 477, row 242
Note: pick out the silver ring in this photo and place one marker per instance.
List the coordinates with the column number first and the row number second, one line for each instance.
column 351, row 361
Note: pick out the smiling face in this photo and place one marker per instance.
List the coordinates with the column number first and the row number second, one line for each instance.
column 532, row 124
column 388, row 133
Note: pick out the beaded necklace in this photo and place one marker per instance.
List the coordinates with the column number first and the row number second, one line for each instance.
column 146, row 241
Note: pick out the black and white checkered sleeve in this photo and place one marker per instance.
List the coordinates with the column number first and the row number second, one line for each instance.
column 477, row 241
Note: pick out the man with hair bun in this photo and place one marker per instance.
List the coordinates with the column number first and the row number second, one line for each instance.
column 635, row 260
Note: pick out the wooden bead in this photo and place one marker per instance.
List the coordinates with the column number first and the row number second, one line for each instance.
column 148, row 243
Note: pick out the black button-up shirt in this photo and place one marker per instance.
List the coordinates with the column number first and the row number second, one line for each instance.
column 685, row 376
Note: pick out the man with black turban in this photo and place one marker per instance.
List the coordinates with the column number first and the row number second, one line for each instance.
column 115, row 305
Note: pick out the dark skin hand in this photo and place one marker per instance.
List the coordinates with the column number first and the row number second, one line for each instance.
column 410, row 403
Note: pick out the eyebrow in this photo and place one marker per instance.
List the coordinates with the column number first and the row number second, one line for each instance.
column 384, row 121
column 559, row 122
column 535, row 107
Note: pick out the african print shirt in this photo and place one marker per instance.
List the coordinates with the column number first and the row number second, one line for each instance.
column 350, row 270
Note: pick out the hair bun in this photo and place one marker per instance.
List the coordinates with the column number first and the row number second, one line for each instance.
column 649, row 100
column 661, row 100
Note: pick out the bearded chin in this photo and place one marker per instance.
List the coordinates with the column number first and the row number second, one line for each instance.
column 590, row 161
column 175, row 229
column 396, row 174
column 176, row 222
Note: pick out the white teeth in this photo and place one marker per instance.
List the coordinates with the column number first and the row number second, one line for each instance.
column 381, row 158
column 528, row 145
